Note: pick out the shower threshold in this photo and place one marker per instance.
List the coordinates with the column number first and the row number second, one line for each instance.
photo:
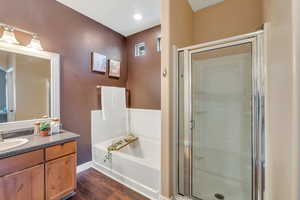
column 180, row 197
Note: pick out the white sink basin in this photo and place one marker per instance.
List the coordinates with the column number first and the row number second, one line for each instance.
column 12, row 143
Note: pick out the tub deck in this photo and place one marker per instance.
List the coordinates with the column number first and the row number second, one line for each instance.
column 137, row 165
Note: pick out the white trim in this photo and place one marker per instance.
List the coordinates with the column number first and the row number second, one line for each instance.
column 267, row 184
column 55, row 83
column 142, row 110
column 26, row 51
column 226, row 40
column 84, row 166
column 128, row 182
column 161, row 197
column 175, row 118
column 218, row 46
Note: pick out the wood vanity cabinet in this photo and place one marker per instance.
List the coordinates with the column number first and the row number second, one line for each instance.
column 60, row 170
column 27, row 184
column 45, row 174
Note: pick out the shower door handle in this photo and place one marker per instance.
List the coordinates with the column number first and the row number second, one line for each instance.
column 260, row 177
column 192, row 124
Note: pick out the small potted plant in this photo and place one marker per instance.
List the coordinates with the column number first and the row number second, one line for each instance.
column 44, row 128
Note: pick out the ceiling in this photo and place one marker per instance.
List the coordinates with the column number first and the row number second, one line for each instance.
column 118, row 14
column 200, row 4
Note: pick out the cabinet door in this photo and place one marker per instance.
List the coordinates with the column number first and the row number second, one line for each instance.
column 60, row 177
column 27, row 184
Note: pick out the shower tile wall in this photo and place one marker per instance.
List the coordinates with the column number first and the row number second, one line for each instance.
column 222, row 133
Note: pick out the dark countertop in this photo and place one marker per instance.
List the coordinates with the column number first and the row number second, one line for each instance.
column 39, row 142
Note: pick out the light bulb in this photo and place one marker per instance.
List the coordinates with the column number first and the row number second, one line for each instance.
column 35, row 43
column 9, row 36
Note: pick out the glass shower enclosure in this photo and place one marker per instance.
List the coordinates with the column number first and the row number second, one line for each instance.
column 220, row 143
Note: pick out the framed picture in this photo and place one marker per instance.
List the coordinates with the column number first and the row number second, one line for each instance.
column 114, row 68
column 99, row 62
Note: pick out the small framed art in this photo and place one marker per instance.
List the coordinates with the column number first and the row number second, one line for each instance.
column 99, row 62
column 114, row 68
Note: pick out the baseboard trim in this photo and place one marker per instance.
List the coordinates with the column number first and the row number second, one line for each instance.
column 164, row 198
column 68, row 196
column 84, row 166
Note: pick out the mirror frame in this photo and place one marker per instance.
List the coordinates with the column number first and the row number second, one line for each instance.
column 54, row 59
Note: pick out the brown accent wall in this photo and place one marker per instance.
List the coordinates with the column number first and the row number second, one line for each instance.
column 226, row 19
column 144, row 72
column 74, row 37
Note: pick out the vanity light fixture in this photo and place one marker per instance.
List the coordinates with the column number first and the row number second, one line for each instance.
column 35, row 43
column 9, row 36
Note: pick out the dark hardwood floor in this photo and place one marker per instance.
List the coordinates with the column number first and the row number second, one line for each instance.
column 92, row 185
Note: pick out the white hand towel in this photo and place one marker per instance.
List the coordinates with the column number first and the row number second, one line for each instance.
column 113, row 102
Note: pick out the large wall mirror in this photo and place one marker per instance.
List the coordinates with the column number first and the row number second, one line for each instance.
column 29, row 86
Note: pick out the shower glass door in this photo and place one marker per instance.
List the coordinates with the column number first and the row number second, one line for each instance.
column 221, row 116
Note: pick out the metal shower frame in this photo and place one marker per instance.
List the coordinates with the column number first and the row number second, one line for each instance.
column 258, row 109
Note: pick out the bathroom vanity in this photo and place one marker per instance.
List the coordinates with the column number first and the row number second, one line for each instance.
column 42, row 169
column 33, row 167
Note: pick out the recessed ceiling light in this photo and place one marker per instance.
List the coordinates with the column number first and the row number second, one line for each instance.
column 137, row 17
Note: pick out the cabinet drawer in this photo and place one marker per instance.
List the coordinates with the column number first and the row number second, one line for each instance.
column 60, row 150
column 20, row 162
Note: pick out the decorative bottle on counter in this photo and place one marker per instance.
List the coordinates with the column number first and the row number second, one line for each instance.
column 55, row 126
column 37, row 128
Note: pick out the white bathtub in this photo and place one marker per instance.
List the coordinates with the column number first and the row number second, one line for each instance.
column 136, row 166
